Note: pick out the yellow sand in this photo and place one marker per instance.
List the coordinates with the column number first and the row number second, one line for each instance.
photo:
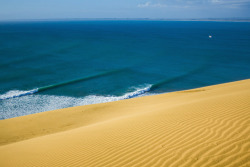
column 208, row 126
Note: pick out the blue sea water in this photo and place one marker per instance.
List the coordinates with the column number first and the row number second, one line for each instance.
column 46, row 65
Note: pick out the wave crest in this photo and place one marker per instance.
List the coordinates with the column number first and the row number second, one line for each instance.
column 17, row 93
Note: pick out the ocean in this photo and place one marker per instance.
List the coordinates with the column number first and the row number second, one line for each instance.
column 47, row 65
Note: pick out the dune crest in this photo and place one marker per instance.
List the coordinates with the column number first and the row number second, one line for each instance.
column 200, row 127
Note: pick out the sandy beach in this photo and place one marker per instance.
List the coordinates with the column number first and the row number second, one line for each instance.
column 206, row 126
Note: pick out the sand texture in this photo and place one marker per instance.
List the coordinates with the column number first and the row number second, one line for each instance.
column 207, row 126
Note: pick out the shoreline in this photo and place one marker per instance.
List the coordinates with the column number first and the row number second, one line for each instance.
column 203, row 126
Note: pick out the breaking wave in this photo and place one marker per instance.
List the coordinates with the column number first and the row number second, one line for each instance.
column 17, row 93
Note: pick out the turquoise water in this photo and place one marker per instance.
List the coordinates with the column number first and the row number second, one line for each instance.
column 48, row 65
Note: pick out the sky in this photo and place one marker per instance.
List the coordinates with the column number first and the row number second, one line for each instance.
column 154, row 9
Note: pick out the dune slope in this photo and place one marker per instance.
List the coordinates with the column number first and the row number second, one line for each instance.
column 207, row 126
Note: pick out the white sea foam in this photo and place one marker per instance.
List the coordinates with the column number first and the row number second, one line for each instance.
column 35, row 103
column 16, row 93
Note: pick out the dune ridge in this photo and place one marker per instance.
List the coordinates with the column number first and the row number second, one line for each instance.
column 200, row 127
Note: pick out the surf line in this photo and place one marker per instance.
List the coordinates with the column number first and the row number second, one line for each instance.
column 158, row 84
column 77, row 80
column 44, row 88
column 174, row 79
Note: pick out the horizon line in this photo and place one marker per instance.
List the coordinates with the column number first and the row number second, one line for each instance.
column 240, row 19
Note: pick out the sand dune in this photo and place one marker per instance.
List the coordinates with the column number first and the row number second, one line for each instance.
column 201, row 127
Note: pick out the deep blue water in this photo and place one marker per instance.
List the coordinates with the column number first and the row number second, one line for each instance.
column 149, row 57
